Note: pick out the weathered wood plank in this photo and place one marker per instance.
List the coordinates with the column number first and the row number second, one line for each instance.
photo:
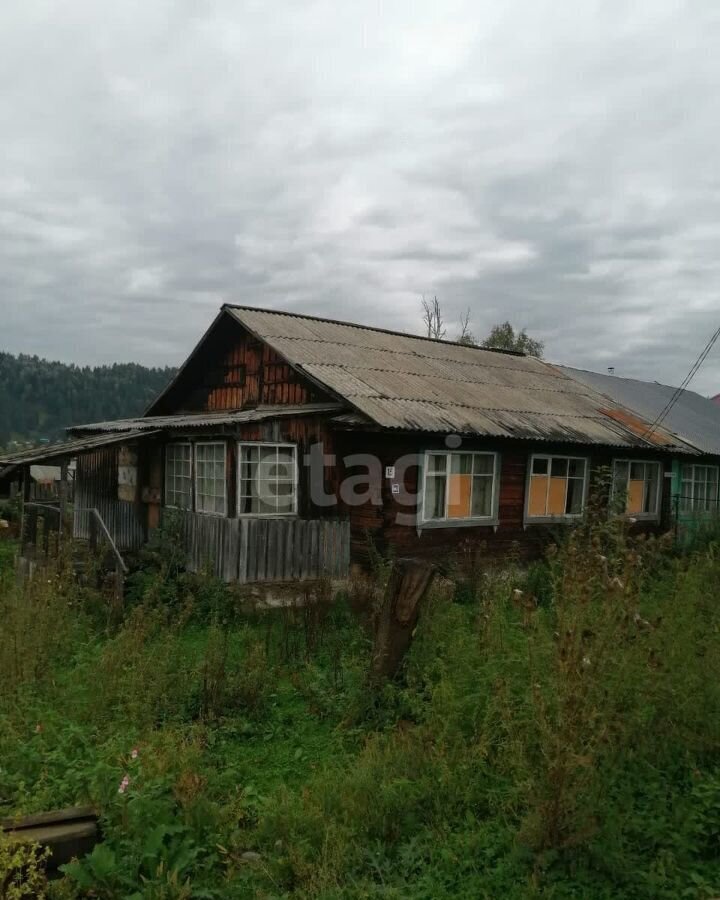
column 243, row 552
column 266, row 550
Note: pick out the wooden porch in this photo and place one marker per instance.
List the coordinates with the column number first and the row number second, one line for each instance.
column 246, row 551
column 251, row 551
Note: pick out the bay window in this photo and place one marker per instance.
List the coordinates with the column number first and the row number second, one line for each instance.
column 556, row 487
column 267, row 481
column 459, row 487
column 178, row 475
column 210, row 484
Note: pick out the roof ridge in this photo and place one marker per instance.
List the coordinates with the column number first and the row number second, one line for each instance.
column 417, row 337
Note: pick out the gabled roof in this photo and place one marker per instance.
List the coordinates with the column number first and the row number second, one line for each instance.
column 407, row 382
column 692, row 418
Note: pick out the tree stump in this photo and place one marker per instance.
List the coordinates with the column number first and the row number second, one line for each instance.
column 407, row 587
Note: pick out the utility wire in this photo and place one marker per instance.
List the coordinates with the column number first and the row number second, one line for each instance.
column 686, row 381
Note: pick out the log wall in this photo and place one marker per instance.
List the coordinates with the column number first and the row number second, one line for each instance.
column 378, row 521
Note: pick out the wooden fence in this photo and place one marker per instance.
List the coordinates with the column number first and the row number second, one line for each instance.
column 42, row 492
column 264, row 550
column 41, row 530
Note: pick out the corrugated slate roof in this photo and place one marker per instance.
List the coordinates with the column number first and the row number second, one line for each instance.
column 401, row 381
column 67, row 449
column 204, row 420
column 693, row 418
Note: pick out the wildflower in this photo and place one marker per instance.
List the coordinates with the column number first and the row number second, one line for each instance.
column 124, row 784
column 134, row 753
column 38, row 728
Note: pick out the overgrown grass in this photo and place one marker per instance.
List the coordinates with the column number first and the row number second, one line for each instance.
column 555, row 733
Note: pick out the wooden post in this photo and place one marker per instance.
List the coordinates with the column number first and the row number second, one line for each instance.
column 407, row 587
column 63, row 503
column 24, row 512
column 93, row 531
column 119, row 593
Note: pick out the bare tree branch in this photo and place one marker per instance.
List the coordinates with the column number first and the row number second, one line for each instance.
column 466, row 336
column 432, row 317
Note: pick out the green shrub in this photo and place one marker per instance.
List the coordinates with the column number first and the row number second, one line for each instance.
column 555, row 735
column 22, row 870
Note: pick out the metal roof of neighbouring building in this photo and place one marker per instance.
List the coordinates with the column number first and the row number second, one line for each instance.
column 403, row 381
column 693, row 418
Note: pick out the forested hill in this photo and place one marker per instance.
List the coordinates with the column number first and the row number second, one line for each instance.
column 38, row 398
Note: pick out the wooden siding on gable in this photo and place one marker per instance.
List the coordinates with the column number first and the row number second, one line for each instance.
column 252, row 374
column 233, row 370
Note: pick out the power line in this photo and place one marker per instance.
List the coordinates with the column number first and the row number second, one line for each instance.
column 686, row 381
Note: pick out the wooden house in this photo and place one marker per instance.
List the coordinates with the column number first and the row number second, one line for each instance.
column 286, row 444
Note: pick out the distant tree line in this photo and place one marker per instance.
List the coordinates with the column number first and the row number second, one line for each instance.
column 39, row 399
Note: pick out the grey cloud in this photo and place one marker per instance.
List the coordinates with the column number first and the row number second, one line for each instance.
column 550, row 164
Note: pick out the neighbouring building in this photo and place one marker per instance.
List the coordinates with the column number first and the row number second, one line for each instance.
column 286, row 445
column 694, row 482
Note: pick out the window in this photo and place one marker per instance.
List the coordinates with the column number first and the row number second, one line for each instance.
column 639, row 483
column 556, row 487
column 178, row 475
column 210, row 490
column 699, row 488
column 459, row 486
column 267, row 484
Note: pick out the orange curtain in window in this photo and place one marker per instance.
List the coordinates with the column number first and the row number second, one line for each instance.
column 460, row 492
column 635, row 495
column 538, row 494
column 556, row 497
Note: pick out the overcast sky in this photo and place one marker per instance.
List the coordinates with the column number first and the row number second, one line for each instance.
column 551, row 163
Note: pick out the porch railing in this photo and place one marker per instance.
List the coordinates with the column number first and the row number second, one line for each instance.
column 43, row 531
column 265, row 550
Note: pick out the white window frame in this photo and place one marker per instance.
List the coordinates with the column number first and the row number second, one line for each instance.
column 191, row 506
column 646, row 517
column 564, row 517
column 446, row 522
column 296, row 480
column 714, row 505
column 203, row 512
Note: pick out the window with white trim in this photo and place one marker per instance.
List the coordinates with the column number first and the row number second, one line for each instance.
column 178, row 475
column 638, row 482
column 459, row 486
column 267, row 479
column 210, row 483
column 556, row 486
column 698, row 488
